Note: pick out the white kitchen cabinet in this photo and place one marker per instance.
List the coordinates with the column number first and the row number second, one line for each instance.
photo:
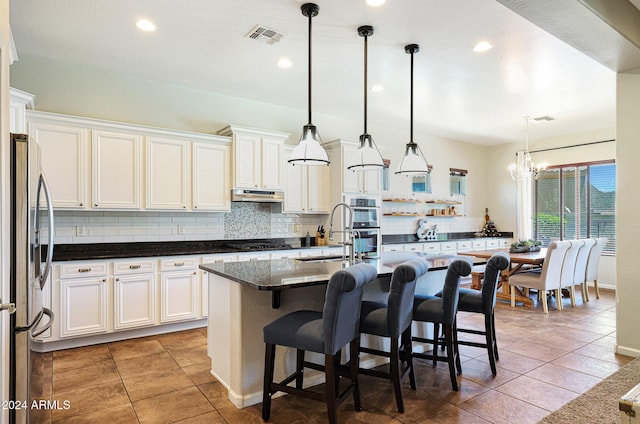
column 134, row 294
column 19, row 102
column 479, row 244
column 64, row 158
column 115, row 170
column 492, row 243
column 342, row 154
column 211, row 186
column 166, row 173
column 284, row 254
column 392, row 248
column 414, row 247
column 431, row 247
column 463, row 245
column 257, row 157
column 307, row 188
column 204, row 279
column 84, row 306
column 253, row 256
column 178, row 289
column 448, row 247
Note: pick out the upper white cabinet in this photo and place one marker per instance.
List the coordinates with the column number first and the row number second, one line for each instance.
column 95, row 164
column 64, row 157
column 307, row 188
column 115, row 166
column 342, row 154
column 211, row 189
column 19, row 102
column 167, row 173
column 257, row 157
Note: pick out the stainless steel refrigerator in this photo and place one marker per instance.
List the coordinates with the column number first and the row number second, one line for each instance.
column 30, row 265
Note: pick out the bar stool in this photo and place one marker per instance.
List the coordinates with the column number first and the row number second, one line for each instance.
column 325, row 332
column 393, row 320
column 484, row 302
column 442, row 310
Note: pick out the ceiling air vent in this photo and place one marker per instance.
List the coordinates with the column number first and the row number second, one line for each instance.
column 266, row 34
column 544, row 118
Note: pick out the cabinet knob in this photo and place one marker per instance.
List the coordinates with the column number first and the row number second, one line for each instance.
column 96, row 205
column 195, row 206
column 81, row 204
column 184, row 207
column 84, row 269
column 117, row 279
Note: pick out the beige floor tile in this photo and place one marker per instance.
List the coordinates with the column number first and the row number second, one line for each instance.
column 497, row 407
column 73, row 379
column 194, row 355
column 537, row 351
column 173, row 406
column 129, row 349
column 212, row 417
column 480, row 372
column 80, row 357
column 91, row 399
column 587, row 365
column 182, row 340
column 456, row 415
column 146, row 365
column 122, row 414
column 605, row 353
column 199, row 373
column 514, row 362
column 157, row 383
column 563, row 377
column 538, row 393
column 216, row 393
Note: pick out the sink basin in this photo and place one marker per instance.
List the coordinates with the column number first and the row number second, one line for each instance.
column 320, row 259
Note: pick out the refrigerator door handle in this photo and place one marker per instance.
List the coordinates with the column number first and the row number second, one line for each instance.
column 48, row 312
column 42, row 183
column 33, row 323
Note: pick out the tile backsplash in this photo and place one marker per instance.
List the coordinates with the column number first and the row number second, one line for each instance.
column 244, row 221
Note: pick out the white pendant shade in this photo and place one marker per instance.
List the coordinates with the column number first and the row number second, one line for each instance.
column 309, row 150
column 413, row 162
column 368, row 156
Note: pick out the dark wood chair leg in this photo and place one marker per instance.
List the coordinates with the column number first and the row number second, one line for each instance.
column 456, row 351
column 448, row 337
column 436, row 332
column 331, row 394
column 407, row 354
column 299, row 368
column 490, row 339
column 495, row 341
column 269, row 363
column 354, row 367
column 394, row 367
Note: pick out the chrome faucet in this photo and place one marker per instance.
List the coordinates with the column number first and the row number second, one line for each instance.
column 349, row 233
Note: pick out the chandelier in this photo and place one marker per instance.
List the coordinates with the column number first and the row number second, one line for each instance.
column 525, row 167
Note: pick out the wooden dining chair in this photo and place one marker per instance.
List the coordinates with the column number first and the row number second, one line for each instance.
column 580, row 274
column 547, row 279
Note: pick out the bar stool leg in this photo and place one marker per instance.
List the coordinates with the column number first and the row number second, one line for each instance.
column 269, row 361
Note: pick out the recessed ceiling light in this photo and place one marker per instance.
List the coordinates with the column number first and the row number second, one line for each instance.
column 377, row 88
column 284, row 63
column 482, row 46
column 146, row 25
column 375, row 3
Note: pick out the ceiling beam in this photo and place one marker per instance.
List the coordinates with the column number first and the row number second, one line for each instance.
column 608, row 31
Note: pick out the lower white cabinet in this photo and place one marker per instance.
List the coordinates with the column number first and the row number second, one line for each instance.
column 134, row 301
column 178, row 296
column 83, row 306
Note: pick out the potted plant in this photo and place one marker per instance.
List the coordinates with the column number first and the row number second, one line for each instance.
column 522, row 246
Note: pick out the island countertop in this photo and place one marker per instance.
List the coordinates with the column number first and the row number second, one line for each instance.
column 282, row 274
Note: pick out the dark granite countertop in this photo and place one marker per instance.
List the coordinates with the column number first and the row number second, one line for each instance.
column 290, row 273
column 412, row 238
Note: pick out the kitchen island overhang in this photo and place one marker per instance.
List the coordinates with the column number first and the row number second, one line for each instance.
column 241, row 304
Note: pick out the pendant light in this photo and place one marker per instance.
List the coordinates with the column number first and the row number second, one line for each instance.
column 526, row 168
column 413, row 162
column 309, row 150
column 369, row 157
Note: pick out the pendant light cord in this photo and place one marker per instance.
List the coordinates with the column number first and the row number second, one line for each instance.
column 365, row 82
column 309, row 65
column 411, row 108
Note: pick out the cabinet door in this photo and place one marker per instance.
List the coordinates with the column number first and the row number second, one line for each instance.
column 211, row 186
column 318, row 191
column 134, row 298
column 83, row 307
column 352, row 181
column 295, row 186
column 372, row 181
column 178, row 296
column 246, row 158
column 272, row 169
column 64, row 160
column 115, row 170
column 166, row 182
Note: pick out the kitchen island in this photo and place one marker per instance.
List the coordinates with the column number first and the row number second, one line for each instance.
column 241, row 303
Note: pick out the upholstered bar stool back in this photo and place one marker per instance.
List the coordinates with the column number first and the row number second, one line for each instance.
column 484, row 302
column 393, row 320
column 325, row 332
column 442, row 311
column 594, row 263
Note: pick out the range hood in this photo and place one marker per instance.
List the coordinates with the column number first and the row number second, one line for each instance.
column 252, row 195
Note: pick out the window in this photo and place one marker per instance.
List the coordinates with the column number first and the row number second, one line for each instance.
column 576, row 201
column 457, row 181
column 422, row 183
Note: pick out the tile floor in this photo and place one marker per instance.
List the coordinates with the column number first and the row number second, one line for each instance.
column 545, row 361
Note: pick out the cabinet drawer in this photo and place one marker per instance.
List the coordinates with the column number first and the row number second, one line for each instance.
column 413, row 247
column 479, row 244
column 133, row 267
column 493, row 244
column 218, row 259
column 83, row 270
column 448, row 246
column 392, row 248
column 464, row 245
column 178, row 263
column 431, row 247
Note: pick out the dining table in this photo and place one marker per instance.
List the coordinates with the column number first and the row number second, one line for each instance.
column 518, row 260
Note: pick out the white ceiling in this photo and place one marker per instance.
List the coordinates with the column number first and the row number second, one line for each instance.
column 459, row 94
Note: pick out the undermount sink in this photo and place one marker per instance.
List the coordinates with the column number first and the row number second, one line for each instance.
column 320, row 259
